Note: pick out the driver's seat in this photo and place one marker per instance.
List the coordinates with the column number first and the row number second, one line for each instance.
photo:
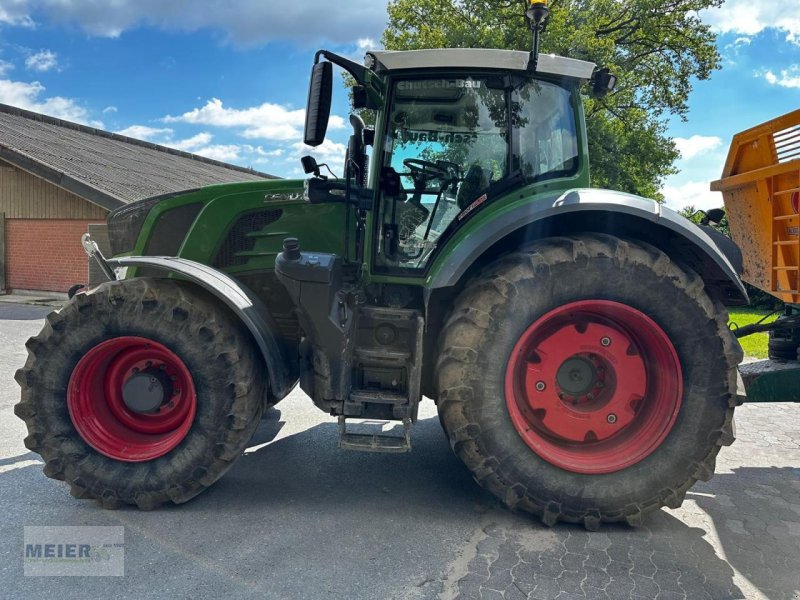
column 475, row 183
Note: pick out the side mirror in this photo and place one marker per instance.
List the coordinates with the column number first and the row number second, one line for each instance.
column 603, row 82
column 310, row 165
column 318, row 110
column 713, row 216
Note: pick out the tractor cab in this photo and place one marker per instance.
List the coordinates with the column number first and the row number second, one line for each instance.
column 454, row 139
column 454, row 131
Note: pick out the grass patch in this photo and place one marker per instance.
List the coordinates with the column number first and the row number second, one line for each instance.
column 753, row 345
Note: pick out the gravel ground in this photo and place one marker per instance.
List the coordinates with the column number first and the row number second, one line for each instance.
column 297, row 518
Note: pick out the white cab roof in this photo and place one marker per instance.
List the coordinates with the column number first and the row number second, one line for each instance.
column 478, row 58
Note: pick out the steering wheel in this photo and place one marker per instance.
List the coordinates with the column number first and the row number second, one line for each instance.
column 425, row 169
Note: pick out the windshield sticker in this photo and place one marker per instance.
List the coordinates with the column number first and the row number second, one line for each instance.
column 472, row 207
column 439, row 84
column 413, row 136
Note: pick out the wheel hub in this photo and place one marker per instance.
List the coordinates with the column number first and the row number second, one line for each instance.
column 131, row 399
column 577, row 376
column 143, row 393
column 593, row 386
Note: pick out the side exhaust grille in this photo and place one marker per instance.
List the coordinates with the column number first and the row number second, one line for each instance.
column 238, row 239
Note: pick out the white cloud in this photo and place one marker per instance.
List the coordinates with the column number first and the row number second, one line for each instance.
column 5, row 67
column 44, row 60
column 148, row 134
column 789, row 78
column 360, row 48
column 692, row 193
column 267, row 121
column 223, row 152
column 198, row 144
column 366, row 44
column 733, row 49
column 109, row 109
column 748, row 18
column 243, row 21
column 16, row 13
column 28, row 95
column 697, row 144
column 192, row 144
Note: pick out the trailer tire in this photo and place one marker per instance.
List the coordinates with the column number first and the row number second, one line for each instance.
column 527, row 464
column 784, row 345
column 211, row 386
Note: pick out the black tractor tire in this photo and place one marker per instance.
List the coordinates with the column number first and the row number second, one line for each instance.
column 505, row 299
column 221, row 357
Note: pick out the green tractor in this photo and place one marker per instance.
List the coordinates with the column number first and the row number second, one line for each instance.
column 574, row 340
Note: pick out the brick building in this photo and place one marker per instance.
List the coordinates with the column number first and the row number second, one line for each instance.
column 58, row 179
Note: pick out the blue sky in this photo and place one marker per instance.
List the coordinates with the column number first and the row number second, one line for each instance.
column 228, row 80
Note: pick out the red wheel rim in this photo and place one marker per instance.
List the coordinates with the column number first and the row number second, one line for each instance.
column 593, row 386
column 107, row 423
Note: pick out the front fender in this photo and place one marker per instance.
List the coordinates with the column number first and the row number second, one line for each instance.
column 602, row 211
column 243, row 302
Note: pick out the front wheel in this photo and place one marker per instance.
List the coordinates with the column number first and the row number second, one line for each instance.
column 140, row 392
column 588, row 379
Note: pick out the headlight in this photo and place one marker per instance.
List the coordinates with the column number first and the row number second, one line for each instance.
column 125, row 224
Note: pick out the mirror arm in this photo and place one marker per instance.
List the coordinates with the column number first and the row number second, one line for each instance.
column 360, row 73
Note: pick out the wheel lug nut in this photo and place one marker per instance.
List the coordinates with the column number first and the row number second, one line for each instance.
column 135, row 370
column 541, row 386
column 174, row 378
column 612, row 418
column 605, row 341
column 590, row 396
column 149, row 364
column 599, row 384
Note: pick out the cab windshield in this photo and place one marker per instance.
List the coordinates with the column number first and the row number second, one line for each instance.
column 453, row 142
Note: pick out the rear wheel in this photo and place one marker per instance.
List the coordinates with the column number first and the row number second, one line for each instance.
column 588, row 379
column 140, row 392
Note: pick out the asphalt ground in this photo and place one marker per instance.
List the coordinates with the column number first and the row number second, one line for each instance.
column 298, row 518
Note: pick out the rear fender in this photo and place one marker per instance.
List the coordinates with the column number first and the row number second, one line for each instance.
column 715, row 258
column 243, row 302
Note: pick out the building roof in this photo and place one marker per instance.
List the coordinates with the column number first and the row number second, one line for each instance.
column 478, row 58
column 105, row 168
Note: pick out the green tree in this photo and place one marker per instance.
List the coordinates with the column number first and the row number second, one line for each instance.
column 655, row 47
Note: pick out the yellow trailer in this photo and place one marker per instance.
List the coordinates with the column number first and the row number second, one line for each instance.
column 761, row 188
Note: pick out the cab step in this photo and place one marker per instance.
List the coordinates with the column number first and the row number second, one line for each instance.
column 374, row 442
